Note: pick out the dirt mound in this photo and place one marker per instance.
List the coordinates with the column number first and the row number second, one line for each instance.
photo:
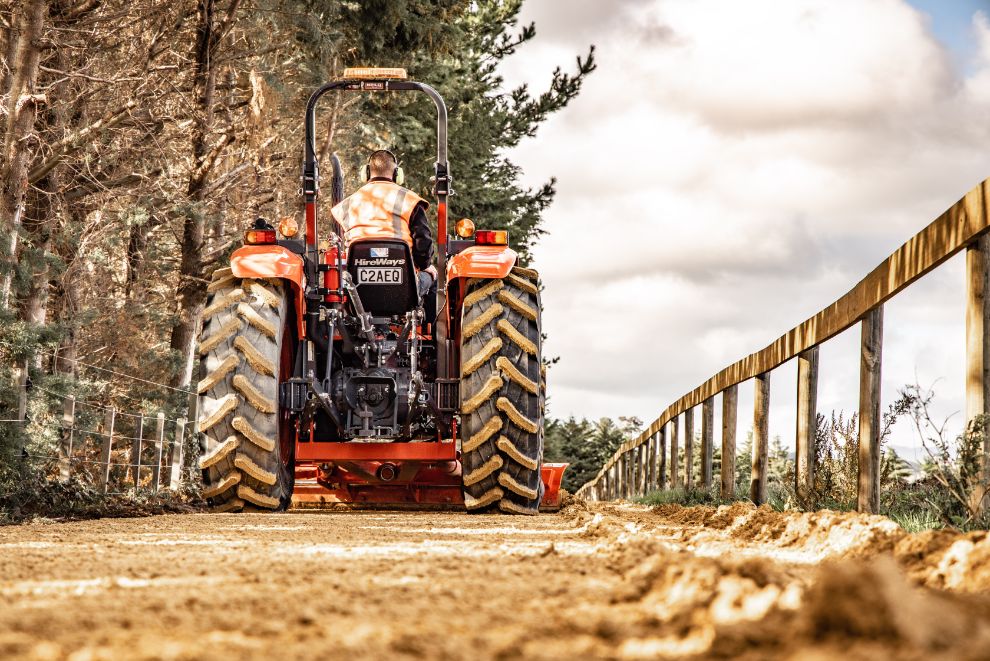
column 947, row 560
column 875, row 602
column 678, row 605
column 825, row 533
column 943, row 559
column 817, row 535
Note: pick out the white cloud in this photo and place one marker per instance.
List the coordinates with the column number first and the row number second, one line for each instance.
column 978, row 86
column 766, row 65
column 729, row 170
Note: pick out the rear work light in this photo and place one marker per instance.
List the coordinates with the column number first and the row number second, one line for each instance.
column 259, row 237
column 375, row 73
column 492, row 237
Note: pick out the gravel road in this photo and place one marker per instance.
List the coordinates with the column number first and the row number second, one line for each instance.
column 593, row 581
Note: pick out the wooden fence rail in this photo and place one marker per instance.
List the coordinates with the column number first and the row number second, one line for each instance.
column 964, row 226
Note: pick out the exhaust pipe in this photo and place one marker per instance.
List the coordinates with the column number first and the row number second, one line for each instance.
column 388, row 472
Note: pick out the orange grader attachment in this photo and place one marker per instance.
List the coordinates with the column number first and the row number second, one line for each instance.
column 401, row 484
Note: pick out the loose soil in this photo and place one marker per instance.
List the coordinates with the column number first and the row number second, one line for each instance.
column 593, row 581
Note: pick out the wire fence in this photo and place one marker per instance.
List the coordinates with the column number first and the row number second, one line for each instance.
column 65, row 434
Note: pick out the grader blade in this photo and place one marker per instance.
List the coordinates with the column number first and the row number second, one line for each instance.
column 398, row 484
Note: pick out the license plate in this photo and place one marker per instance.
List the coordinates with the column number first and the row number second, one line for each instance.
column 379, row 276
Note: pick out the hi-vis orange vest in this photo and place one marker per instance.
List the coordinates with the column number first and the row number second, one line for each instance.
column 377, row 210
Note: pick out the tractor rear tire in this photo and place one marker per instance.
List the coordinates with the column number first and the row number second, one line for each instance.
column 502, row 394
column 244, row 326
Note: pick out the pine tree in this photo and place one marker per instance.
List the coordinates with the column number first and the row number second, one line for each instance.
column 484, row 120
column 585, row 445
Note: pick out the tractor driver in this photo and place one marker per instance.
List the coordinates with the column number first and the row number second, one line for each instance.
column 383, row 209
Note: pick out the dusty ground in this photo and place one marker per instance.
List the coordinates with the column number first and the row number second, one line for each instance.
column 617, row 581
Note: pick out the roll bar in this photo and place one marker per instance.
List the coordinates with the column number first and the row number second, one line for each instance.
column 311, row 168
column 441, row 188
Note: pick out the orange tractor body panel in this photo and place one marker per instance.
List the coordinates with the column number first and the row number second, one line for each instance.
column 482, row 262
column 268, row 261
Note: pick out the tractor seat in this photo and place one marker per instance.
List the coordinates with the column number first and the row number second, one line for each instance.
column 385, row 276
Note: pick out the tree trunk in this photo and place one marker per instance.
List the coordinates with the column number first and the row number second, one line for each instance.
column 21, row 106
column 136, row 245
column 191, row 293
column 7, row 44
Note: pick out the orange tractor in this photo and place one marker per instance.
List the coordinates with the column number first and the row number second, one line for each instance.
column 327, row 378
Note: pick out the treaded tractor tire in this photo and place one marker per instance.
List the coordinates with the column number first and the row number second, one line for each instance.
column 244, row 324
column 502, row 394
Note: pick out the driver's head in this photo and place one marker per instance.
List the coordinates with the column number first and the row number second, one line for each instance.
column 382, row 163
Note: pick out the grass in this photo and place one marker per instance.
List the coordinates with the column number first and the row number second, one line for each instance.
column 917, row 520
column 682, row 497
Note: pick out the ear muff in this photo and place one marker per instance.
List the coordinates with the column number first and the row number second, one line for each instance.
column 398, row 174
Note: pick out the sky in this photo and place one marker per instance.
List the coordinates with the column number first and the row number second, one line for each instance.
column 730, row 169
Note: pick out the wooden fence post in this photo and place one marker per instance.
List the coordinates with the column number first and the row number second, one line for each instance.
column 730, row 401
column 654, row 454
column 108, row 424
column 156, row 470
column 761, row 441
column 68, row 431
column 193, row 418
column 643, row 466
column 689, row 449
column 640, row 465
column 647, row 460
column 629, row 474
column 634, row 457
column 21, row 379
column 136, row 447
column 617, row 467
column 620, row 477
column 675, row 479
column 807, row 424
column 869, row 412
column 707, row 422
column 978, row 347
column 22, row 395
column 621, row 481
column 662, row 452
column 175, row 470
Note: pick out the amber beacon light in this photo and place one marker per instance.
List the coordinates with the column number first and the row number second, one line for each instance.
column 464, row 228
column 288, row 227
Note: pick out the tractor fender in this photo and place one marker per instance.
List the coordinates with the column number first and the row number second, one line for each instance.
column 270, row 261
column 481, row 262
